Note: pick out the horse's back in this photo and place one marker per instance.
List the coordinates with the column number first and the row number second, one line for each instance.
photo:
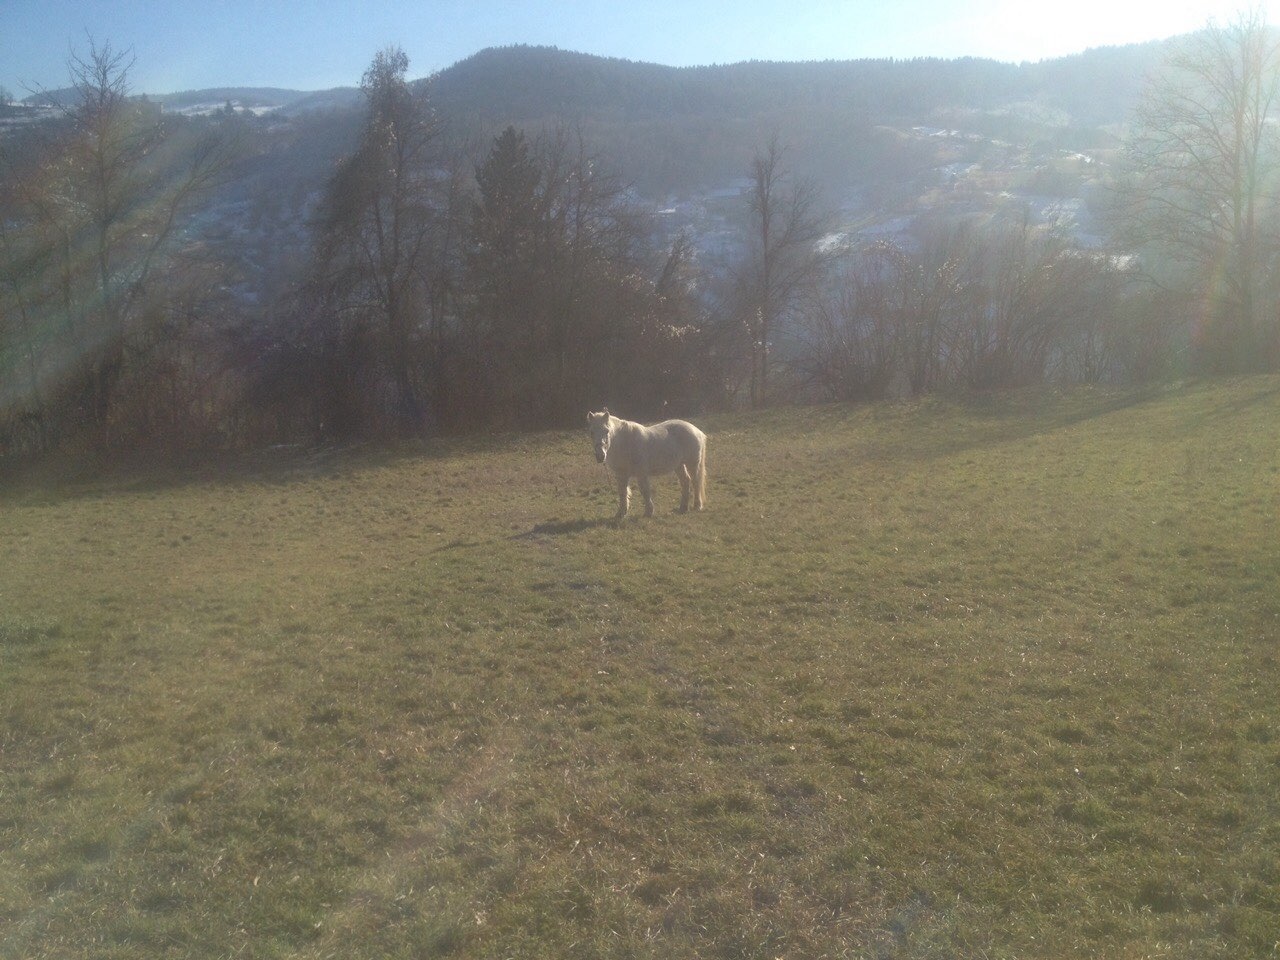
column 681, row 428
column 671, row 443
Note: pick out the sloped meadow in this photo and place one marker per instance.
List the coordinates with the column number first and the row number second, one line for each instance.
column 989, row 678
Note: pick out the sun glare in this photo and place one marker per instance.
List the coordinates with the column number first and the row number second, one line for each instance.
column 1013, row 30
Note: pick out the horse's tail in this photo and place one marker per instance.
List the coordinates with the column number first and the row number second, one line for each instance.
column 700, row 474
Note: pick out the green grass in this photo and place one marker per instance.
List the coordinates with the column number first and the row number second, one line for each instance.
column 942, row 679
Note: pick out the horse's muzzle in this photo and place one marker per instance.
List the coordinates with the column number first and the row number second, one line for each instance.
column 599, row 456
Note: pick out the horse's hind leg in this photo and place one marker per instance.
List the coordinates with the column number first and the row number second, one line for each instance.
column 624, row 494
column 647, row 494
column 686, row 486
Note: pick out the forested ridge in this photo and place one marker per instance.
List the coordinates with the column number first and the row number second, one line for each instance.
column 674, row 128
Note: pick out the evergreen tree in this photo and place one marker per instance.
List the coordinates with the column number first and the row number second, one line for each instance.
column 507, row 271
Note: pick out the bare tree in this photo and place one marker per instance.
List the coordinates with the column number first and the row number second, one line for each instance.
column 893, row 315
column 933, row 292
column 1004, row 305
column 92, row 214
column 1203, row 163
column 784, row 255
column 851, row 330
column 1028, row 291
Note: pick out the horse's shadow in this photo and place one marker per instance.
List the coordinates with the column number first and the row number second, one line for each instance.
column 555, row 528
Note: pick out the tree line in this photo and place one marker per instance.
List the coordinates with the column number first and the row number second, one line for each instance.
column 453, row 287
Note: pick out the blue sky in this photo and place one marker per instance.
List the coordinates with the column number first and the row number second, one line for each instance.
column 183, row 45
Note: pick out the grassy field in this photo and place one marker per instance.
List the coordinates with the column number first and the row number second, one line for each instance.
column 944, row 679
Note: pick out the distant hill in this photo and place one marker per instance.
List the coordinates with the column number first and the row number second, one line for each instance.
column 516, row 83
column 255, row 99
column 261, row 100
column 247, row 96
column 688, row 128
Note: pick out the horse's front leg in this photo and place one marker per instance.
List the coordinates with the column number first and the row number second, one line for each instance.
column 624, row 494
column 645, row 492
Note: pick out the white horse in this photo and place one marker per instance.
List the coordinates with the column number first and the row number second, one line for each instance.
column 634, row 450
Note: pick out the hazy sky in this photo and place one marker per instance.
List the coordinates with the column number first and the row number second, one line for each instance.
column 314, row 44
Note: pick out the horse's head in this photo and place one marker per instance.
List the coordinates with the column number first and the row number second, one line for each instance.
column 600, row 426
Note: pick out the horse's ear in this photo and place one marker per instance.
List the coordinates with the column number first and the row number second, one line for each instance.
column 605, row 411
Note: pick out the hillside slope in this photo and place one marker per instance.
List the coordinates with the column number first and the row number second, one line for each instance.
column 937, row 679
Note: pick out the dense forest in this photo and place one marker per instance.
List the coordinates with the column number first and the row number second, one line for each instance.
column 532, row 232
